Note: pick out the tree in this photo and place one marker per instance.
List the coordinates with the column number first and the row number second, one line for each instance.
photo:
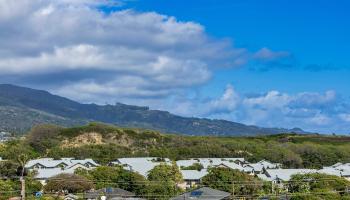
column 163, row 181
column 165, row 172
column 327, row 186
column 233, row 181
column 68, row 183
column 195, row 166
column 8, row 169
column 116, row 176
column 42, row 137
column 6, row 189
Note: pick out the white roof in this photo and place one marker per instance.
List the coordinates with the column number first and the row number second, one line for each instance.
column 338, row 169
column 337, row 164
column 52, row 163
column 345, row 166
column 264, row 177
column 256, row 166
column 193, row 174
column 268, row 164
column 140, row 165
column 330, row 171
column 233, row 165
column 46, row 173
column 286, row 174
column 209, row 162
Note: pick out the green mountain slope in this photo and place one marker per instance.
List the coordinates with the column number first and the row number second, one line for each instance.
column 30, row 107
column 105, row 143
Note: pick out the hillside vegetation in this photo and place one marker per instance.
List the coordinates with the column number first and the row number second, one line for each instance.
column 105, row 143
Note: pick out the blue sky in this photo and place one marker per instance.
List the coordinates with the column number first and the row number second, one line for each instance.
column 275, row 63
column 315, row 33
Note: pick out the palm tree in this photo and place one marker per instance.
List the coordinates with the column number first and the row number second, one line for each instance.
column 22, row 159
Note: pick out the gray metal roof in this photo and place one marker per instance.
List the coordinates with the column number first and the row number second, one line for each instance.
column 204, row 193
column 193, row 174
column 52, row 163
column 140, row 165
column 110, row 193
column 286, row 174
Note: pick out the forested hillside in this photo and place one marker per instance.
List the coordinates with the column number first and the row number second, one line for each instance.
column 105, row 143
column 21, row 108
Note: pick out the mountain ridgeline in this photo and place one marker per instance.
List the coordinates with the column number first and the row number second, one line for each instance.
column 21, row 108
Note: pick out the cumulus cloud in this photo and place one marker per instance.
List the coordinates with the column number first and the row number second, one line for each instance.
column 309, row 110
column 345, row 117
column 154, row 53
column 266, row 54
column 75, row 49
column 265, row 59
column 143, row 53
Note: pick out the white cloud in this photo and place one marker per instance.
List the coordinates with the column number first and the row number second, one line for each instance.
column 273, row 109
column 345, row 117
column 266, row 54
column 142, row 58
column 163, row 55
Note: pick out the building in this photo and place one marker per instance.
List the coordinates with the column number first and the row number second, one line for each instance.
column 140, row 165
column 46, row 168
column 46, row 163
column 284, row 174
column 209, row 162
column 192, row 177
column 71, row 197
column 338, row 169
column 110, row 194
column 260, row 167
column 204, row 193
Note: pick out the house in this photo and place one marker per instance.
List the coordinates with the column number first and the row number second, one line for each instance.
column 192, row 177
column 46, row 168
column 338, row 169
column 71, row 197
column 212, row 162
column 204, row 193
column 260, row 167
column 233, row 163
column 140, row 165
column 283, row 175
column 110, row 194
column 59, row 163
column 269, row 165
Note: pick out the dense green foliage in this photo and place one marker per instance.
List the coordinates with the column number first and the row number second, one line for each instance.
column 233, row 181
column 292, row 150
column 68, row 182
column 105, row 143
column 11, row 187
column 105, row 176
column 320, row 186
column 195, row 166
column 163, row 180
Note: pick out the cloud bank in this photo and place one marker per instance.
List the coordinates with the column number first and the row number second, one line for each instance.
column 75, row 49
column 309, row 110
column 145, row 54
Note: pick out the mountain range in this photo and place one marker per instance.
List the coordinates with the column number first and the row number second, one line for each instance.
column 21, row 108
